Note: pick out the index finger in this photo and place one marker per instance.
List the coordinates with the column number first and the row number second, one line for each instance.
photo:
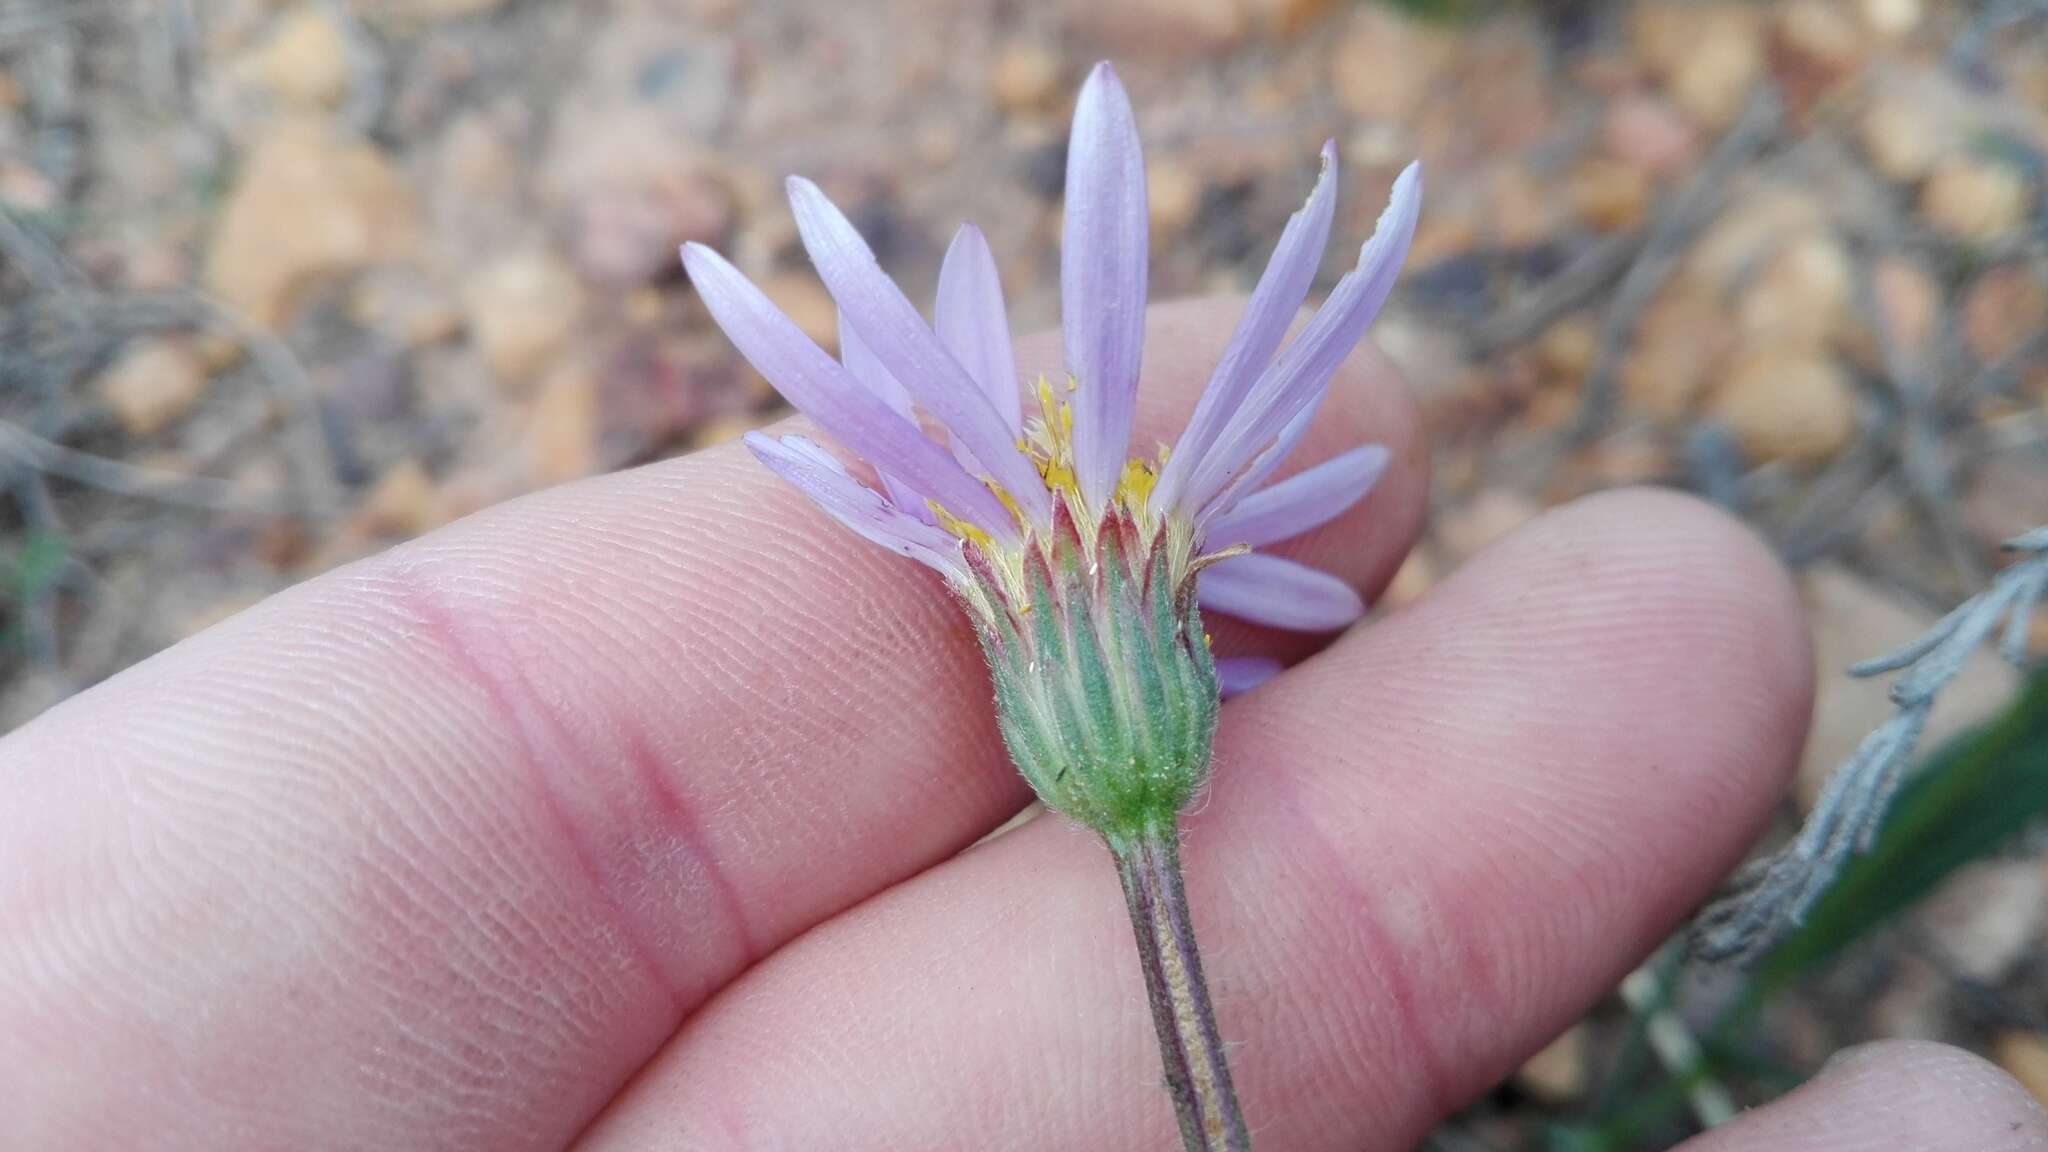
column 435, row 851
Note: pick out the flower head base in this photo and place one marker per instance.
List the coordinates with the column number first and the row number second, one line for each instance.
column 1105, row 690
column 1083, row 564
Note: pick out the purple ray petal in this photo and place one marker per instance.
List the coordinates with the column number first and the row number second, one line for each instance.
column 823, row 390
column 1250, row 480
column 906, row 345
column 1102, row 278
column 1236, row 675
column 1279, row 593
column 1300, row 502
column 973, row 325
column 818, row 474
column 1303, row 368
column 1274, row 303
column 860, row 360
column 861, row 363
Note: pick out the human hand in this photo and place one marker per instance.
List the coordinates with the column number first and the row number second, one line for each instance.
column 629, row 816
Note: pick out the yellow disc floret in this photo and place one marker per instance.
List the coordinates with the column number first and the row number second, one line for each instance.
column 1048, row 441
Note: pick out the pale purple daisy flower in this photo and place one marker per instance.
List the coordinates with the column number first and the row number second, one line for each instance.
column 995, row 487
column 1085, row 565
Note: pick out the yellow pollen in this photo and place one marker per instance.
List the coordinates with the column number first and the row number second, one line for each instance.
column 1134, row 489
column 1049, row 439
column 1009, row 501
column 1048, row 442
column 962, row 528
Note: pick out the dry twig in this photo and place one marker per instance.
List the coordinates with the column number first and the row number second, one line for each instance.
column 26, row 449
column 1570, row 289
column 1664, row 246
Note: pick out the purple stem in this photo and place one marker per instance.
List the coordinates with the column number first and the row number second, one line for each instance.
column 1189, row 1045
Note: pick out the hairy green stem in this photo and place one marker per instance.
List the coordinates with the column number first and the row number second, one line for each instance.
column 1196, row 1074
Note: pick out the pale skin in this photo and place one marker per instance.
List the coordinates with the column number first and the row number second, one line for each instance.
column 628, row 816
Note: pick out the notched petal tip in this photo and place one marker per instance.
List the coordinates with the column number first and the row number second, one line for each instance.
column 1404, row 201
column 817, row 218
column 696, row 256
column 1282, row 288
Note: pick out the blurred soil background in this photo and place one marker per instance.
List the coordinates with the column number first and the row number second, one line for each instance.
column 285, row 281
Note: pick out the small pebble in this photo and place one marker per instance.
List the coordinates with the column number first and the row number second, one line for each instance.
column 561, row 438
column 1173, row 195
column 523, row 309
column 1975, row 199
column 1820, row 40
column 153, row 385
column 1567, row 348
column 402, row 502
column 1557, row 1074
column 1787, row 404
column 1415, row 577
column 1892, row 19
column 1485, row 518
column 1678, row 348
column 1801, row 297
column 1384, row 65
column 1610, row 195
column 1646, row 132
column 1025, row 78
column 1911, row 302
column 306, row 60
column 2005, row 306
